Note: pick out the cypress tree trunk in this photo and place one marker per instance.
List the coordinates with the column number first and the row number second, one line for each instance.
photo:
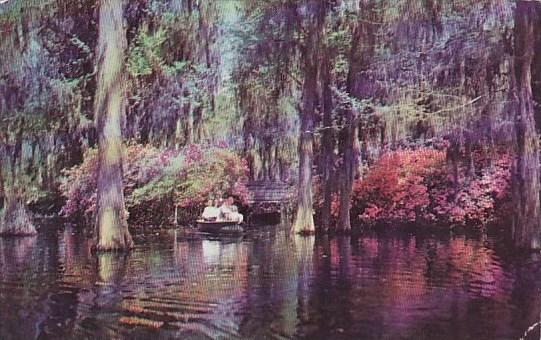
column 350, row 143
column 14, row 218
column 349, row 169
column 111, row 230
column 526, row 187
column 327, row 144
column 304, row 219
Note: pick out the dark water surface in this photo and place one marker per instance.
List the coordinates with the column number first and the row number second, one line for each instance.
column 267, row 285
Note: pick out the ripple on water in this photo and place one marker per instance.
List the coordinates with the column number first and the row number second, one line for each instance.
column 267, row 286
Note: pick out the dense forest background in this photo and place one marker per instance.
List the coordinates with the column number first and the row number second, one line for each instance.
column 379, row 112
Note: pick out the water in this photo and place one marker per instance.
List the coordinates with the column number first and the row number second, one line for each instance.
column 267, row 285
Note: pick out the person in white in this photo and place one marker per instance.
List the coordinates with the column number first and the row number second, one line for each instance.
column 211, row 211
column 234, row 211
column 225, row 211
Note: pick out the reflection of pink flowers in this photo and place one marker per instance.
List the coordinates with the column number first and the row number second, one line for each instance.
column 412, row 283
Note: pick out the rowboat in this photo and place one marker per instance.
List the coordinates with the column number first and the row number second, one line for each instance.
column 225, row 227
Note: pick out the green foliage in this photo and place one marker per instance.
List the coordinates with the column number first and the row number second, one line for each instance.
column 193, row 176
column 144, row 56
column 173, row 74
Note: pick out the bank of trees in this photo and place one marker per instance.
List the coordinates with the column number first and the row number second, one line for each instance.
column 318, row 93
column 386, row 76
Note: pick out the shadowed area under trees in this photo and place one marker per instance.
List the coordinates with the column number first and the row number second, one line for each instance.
column 327, row 96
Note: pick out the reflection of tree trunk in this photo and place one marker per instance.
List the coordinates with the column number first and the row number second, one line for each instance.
column 271, row 258
column 107, row 293
column 111, row 224
column 15, row 254
column 111, row 269
column 526, row 222
column 17, row 264
column 344, row 247
column 305, row 254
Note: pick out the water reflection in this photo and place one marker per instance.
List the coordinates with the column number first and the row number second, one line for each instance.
column 16, row 261
column 267, row 285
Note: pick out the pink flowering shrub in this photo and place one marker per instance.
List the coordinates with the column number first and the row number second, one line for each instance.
column 191, row 178
column 417, row 186
column 157, row 181
column 79, row 185
column 479, row 200
column 396, row 188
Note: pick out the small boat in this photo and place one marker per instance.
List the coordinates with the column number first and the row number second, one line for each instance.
column 225, row 227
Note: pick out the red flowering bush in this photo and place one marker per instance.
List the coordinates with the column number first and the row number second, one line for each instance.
column 396, row 188
column 407, row 186
column 157, row 181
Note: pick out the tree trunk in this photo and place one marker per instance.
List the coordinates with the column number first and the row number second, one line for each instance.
column 327, row 144
column 350, row 143
column 111, row 230
column 304, row 219
column 349, row 169
column 14, row 217
column 526, row 187
column 470, row 172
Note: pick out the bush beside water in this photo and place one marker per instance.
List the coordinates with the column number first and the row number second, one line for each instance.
column 407, row 186
column 418, row 187
column 156, row 181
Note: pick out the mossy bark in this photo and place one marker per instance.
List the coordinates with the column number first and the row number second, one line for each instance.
column 349, row 170
column 526, row 187
column 111, row 229
column 15, row 219
column 327, row 141
column 304, row 218
column 350, row 141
